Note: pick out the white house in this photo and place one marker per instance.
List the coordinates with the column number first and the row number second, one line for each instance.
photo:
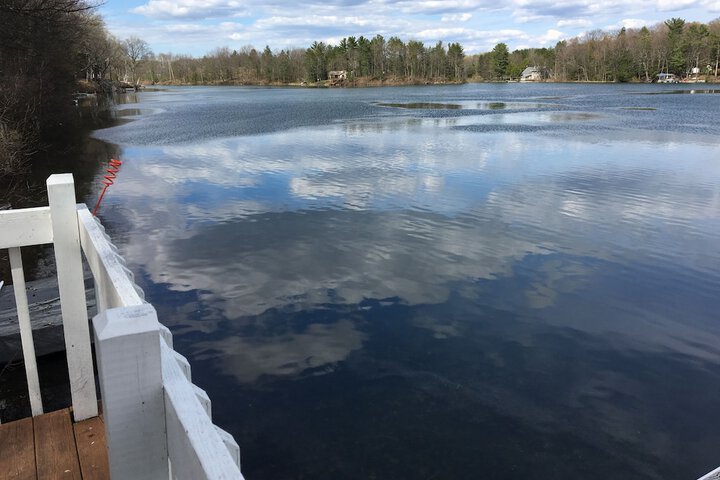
column 533, row 74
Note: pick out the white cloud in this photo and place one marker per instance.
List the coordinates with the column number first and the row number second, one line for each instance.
column 629, row 23
column 635, row 23
column 229, row 26
column 282, row 25
column 673, row 5
column 574, row 23
column 711, row 5
column 460, row 17
column 312, row 20
column 523, row 16
column 551, row 36
column 185, row 28
column 190, row 8
column 445, row 6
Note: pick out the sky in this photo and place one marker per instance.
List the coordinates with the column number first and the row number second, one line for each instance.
column 196, row 27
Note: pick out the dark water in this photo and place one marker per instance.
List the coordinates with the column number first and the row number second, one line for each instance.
column 479, row 281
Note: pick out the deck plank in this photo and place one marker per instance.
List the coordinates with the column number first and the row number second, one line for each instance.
column 55, row 451
column 92, row 449
column 17, row 451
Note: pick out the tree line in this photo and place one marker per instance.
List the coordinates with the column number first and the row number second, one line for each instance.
column 360, row 57
column 674, row 46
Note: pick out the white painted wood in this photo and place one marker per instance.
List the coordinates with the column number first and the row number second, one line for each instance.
column 66, row 241
column 128, row 272
column 230, row 444
column 29, row 226
column 166, row 334
column 100, row 295
column 116, row 289
column 127, row 345
column 28, row 346
column 714, row 475
column 195, row 447
column 184, row 365
column 204, row 399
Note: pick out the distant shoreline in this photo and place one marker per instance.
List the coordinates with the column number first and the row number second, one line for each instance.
column 364, row 82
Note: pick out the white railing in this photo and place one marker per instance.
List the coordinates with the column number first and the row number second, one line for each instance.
column 56, row 224
column 714, row 475
column 157, row 422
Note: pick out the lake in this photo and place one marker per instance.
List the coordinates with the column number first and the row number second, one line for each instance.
column 492, row 281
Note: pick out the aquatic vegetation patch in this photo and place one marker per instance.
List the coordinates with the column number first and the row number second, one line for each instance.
column 572, row 116
column 692, row 91
column 424, row 105
column 467, row 105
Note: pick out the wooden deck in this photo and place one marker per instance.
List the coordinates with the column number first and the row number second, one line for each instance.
column 50, row 446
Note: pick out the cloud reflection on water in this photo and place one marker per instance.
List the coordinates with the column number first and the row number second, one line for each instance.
column 287, row 353
column 253, row 223
column 557, row 286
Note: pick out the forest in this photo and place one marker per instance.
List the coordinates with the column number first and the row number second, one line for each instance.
column 46, row 46
column 674, row 46
column 374, row 58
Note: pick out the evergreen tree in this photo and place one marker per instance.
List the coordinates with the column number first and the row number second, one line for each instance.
column 676, row 62
column 456, row 57
column 500, row 60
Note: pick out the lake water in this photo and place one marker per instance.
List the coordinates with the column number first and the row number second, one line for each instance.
column 479, row 281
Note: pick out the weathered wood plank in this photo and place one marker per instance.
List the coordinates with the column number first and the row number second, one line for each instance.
column 45, row 318
column 29, row 226
column 92, row 449
column 55, row 452
column 17, row 452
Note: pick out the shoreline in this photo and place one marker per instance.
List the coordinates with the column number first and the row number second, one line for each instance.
column 366, row 83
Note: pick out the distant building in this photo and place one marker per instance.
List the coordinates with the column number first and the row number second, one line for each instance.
column 534, row 74
column 667, row 78
column 337, row 76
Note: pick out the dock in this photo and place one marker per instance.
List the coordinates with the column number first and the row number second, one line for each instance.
column 155, row 422
column 51, row 446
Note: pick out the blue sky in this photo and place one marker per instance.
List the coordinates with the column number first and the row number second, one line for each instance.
column 198, row 26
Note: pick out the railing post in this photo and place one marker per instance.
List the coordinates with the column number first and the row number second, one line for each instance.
column 73, row 304
column 127, row 345
column 26, row 338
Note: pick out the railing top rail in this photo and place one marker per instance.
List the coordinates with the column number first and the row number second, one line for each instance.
column 107, row 267
column 24, row 227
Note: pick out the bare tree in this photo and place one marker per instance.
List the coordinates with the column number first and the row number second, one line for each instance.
column 136, row 49
column 40, row 45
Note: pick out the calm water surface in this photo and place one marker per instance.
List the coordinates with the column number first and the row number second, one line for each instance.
column 478, row 281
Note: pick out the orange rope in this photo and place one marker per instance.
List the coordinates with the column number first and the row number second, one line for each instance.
column 109, row 179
